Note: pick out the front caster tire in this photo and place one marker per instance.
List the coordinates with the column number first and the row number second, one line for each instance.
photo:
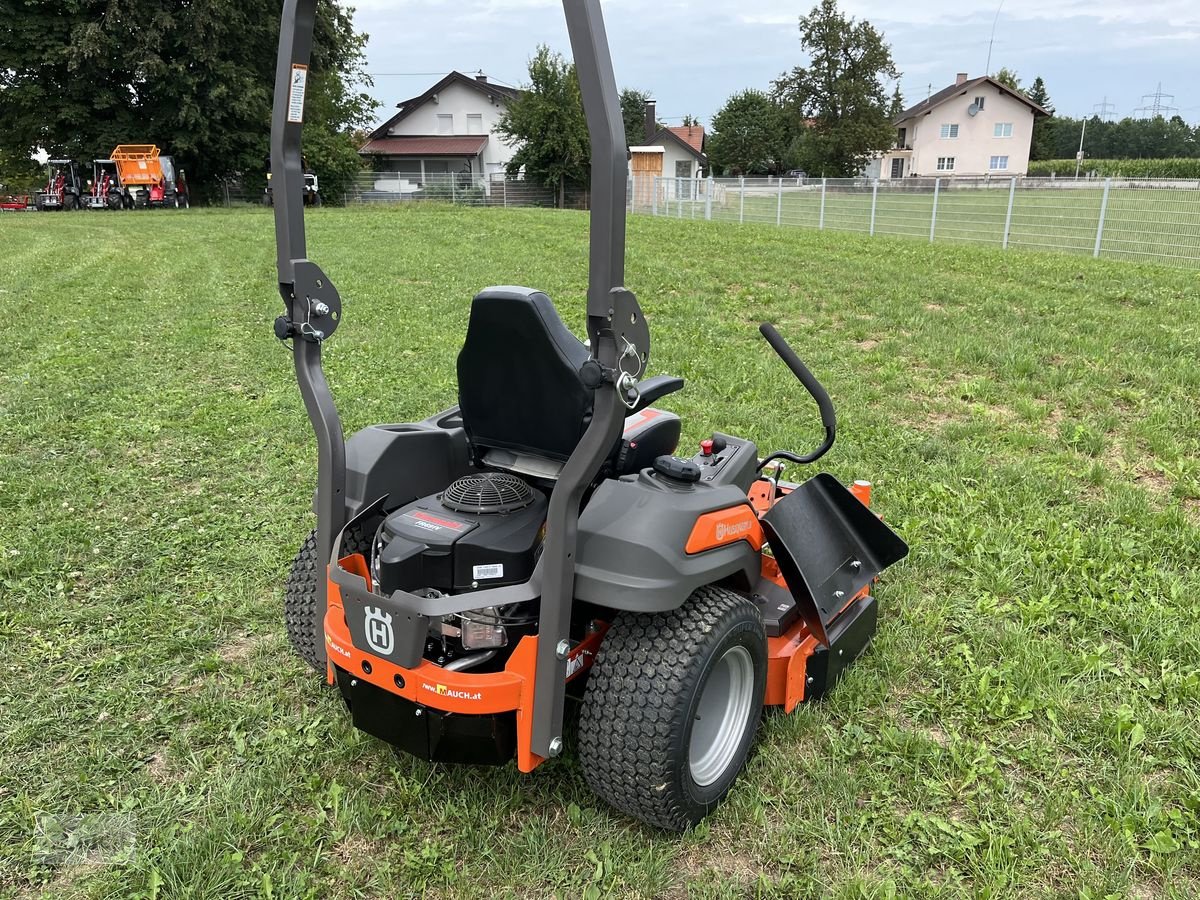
column 672, row 707
column 306, row 631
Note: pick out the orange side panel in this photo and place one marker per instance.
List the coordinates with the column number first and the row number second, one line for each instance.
column 725, row 526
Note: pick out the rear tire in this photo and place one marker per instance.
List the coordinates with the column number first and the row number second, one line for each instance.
column 672, row 707
column 306, row 631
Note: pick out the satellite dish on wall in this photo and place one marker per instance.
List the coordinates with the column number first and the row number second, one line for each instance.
column 973, row 109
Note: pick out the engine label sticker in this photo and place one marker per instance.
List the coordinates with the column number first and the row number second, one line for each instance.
column 484, row 573
column 427, row 522
column 296, row 97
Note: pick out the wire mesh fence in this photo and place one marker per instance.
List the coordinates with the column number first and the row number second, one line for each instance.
column 1152, row 221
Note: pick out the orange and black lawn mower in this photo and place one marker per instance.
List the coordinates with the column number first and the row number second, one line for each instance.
column 542, row 540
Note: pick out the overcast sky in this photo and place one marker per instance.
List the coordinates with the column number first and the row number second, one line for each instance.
column 692, row 56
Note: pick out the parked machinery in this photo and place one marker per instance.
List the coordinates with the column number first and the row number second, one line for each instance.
column 312, row 186
column 63, row 190
column 105, row 190
column 151, row 179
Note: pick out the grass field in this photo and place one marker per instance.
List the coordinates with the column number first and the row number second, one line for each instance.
column 1141, row 224
column 1027, row 723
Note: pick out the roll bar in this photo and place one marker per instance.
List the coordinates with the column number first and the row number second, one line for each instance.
column 620, row 336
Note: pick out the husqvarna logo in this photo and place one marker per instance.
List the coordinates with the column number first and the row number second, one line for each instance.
column 728, row 530
column 380, row 636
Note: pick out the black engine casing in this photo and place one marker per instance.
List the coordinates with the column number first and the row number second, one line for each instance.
column 427, row 546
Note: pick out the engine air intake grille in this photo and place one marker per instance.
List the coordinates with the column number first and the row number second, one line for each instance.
column 488, row 493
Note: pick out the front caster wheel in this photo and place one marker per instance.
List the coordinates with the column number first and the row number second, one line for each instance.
column 672, row 706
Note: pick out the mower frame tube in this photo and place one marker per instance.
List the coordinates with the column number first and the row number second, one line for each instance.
column 295, row 50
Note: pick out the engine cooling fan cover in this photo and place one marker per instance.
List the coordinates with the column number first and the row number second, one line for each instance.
column 488, row 493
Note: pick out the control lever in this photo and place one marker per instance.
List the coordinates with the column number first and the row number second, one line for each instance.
column 815, row 389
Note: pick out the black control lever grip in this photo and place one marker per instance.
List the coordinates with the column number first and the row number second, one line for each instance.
column 814, row 388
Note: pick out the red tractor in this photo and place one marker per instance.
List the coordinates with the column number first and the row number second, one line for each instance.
column 105, row 188
column 63, row 190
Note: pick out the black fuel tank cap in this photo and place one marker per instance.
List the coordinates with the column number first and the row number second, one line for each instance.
column 679, row 469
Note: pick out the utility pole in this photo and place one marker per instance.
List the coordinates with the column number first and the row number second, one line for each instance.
column 1104, row 111
column 1079, row 155
column 1155, row 106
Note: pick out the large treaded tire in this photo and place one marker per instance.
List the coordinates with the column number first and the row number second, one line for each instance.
column 641, row 702
column 305, row 630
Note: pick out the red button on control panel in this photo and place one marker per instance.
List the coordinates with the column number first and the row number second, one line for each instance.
column 706, row 447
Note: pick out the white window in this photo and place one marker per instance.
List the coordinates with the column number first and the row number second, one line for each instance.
column 998, row 163
column 474, row 123
column 945, row 163
column 950, row 131
column 445, row 124
column 1002, row 129
column 979, row 102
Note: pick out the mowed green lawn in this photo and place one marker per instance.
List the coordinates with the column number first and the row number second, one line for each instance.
column 1141, row 224
column 1027, row 723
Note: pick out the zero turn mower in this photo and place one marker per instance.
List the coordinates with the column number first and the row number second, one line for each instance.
column 543, row 539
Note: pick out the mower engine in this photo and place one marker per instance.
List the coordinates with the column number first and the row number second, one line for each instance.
column 483, row 531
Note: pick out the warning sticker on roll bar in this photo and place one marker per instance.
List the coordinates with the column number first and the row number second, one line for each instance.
column 296, row 97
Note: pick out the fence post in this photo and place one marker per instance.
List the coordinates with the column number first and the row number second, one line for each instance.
column 874, row 202
column 821, row 223
column 225, row 185
column 1103, row 212
column 1012, row 194
column 742, row 200
column 937, row 188
column 779, row 205
column 708, row 199
column 654, row 199
column 453, row 189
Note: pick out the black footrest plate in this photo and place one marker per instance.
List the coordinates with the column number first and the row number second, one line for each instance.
column 829, row 546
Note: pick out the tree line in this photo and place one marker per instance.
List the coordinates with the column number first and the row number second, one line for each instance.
column 80, row 77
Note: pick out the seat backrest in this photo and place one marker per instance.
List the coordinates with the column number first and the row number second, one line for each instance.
column 518, row 376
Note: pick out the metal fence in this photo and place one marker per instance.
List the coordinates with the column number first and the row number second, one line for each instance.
column 1153, row 221
column 462, row 189
column 1136, row 219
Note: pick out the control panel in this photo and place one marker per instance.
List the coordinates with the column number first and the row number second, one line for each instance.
column 725, row 459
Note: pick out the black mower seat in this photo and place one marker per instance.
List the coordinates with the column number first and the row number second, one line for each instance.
column 519, row 388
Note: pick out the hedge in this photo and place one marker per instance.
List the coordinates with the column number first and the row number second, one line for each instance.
column 1118, row 168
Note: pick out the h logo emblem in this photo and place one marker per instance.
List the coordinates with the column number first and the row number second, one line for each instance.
column 380, row 636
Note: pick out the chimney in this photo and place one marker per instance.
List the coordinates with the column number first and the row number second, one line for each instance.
column 651, row 120
column 481, row 78
column 960, row 79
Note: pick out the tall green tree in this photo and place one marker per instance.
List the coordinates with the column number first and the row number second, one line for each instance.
column 1008, row 78
column 547, row 125
column 18, row 175
column 896, row 106
column 1038, row 94
column 838, row 104
column 633, row 111
column 749, row 135
column 1042, row 146
column 79, row 77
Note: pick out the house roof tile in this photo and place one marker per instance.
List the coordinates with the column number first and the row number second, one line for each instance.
column 954, row 90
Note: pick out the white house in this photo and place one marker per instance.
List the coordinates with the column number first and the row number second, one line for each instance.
column 449, row 129
column 972, row 128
